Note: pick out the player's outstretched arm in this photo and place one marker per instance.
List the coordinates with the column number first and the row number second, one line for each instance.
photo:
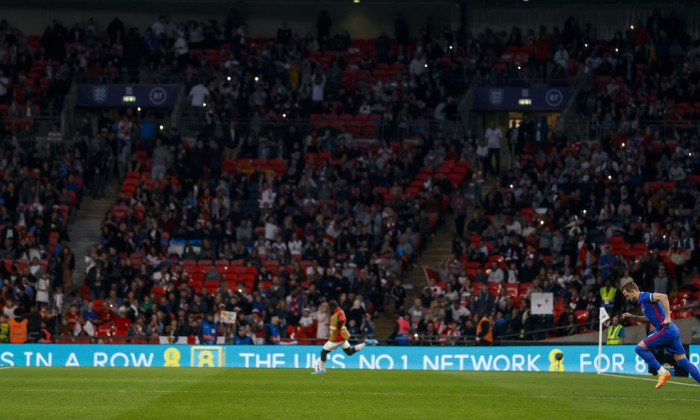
column 660, row 297
column 638, row 318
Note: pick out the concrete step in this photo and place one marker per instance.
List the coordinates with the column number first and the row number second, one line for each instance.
column 438, row 251
column 84, row 231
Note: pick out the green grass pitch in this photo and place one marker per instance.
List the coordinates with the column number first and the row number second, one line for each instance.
column 167, row 393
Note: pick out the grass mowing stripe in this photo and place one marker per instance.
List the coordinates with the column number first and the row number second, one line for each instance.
column 395, row 394
column 128, row 393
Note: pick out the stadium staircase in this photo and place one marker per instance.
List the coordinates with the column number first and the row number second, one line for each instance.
column 435, row 254
column 85, row 231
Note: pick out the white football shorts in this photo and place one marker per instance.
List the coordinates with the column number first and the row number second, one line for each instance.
column 330, row 346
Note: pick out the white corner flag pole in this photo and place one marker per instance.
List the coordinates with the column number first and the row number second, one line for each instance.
column 602, row 318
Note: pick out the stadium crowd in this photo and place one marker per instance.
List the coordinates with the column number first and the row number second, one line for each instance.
column 578, row 218
column 276, row 206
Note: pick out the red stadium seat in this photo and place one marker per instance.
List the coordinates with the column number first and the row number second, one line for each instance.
column 581, row 316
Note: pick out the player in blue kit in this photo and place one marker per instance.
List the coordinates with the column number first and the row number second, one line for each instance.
column 656, row 310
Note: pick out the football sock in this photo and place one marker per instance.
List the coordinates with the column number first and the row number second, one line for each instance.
column 360, row 346
column 690, row 368
column 322, row 364
column 649, row 358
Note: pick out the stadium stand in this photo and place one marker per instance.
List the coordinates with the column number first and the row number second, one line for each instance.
column 320, row 171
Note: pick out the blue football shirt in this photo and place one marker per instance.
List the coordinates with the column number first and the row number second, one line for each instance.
column 653, row 310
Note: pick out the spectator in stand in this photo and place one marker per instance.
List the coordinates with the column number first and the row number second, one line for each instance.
column 564, row 181
column 496, row 274
column 318, row 84
column 484, row 301
column 560, row 62
column 67, row 261
column 661, row 283
column 208, row 330
column 607, row 262
column 4, row 85
column 272, row 333
column 323, row 320
column 399, row 294
column 242, row 337
column 493, row 136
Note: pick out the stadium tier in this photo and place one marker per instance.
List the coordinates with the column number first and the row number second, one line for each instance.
column 301, row 170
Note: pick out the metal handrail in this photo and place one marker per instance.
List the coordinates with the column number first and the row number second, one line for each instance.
column 522, row 82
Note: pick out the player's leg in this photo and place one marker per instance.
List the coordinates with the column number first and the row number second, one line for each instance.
column 327, row 348
column 350, row 350
column 681, row 360
column 665, row 338
column 642, row 350
column 684, row 363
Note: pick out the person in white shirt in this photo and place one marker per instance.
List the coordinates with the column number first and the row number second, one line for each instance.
column 513, row 226
column 561, row 58
column 4, row 84
column 180, row 46
column 495, row 273
column 162, row 277
column 124, row 128
column 199, row 94
column 271, row 229
column 306, row 320
column 314, row 269
column 267, row 196
column 158, row 26
column 461, row 311
column 318, row 84
column 42, row 287
column 493, row 136
column 418, row 64
column 55, row 135
column 279, row 249
column 482, row 152
column 295, row 246
column 58, row 300
column 676, row 172
column 36, row 269
column 196, row 33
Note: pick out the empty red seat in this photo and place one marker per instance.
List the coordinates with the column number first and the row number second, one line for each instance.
column 581, row 316
column 212, row 286
column 369, row 129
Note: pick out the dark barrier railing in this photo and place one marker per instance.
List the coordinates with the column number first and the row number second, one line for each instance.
column 369, row 129
column 523, row 337
column 662, row 130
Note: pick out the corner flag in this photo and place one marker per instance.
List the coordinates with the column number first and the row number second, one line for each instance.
column 603, row 317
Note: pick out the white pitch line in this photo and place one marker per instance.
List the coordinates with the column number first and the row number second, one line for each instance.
column 645, row 379
column 6, row 367
column 409, row 394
